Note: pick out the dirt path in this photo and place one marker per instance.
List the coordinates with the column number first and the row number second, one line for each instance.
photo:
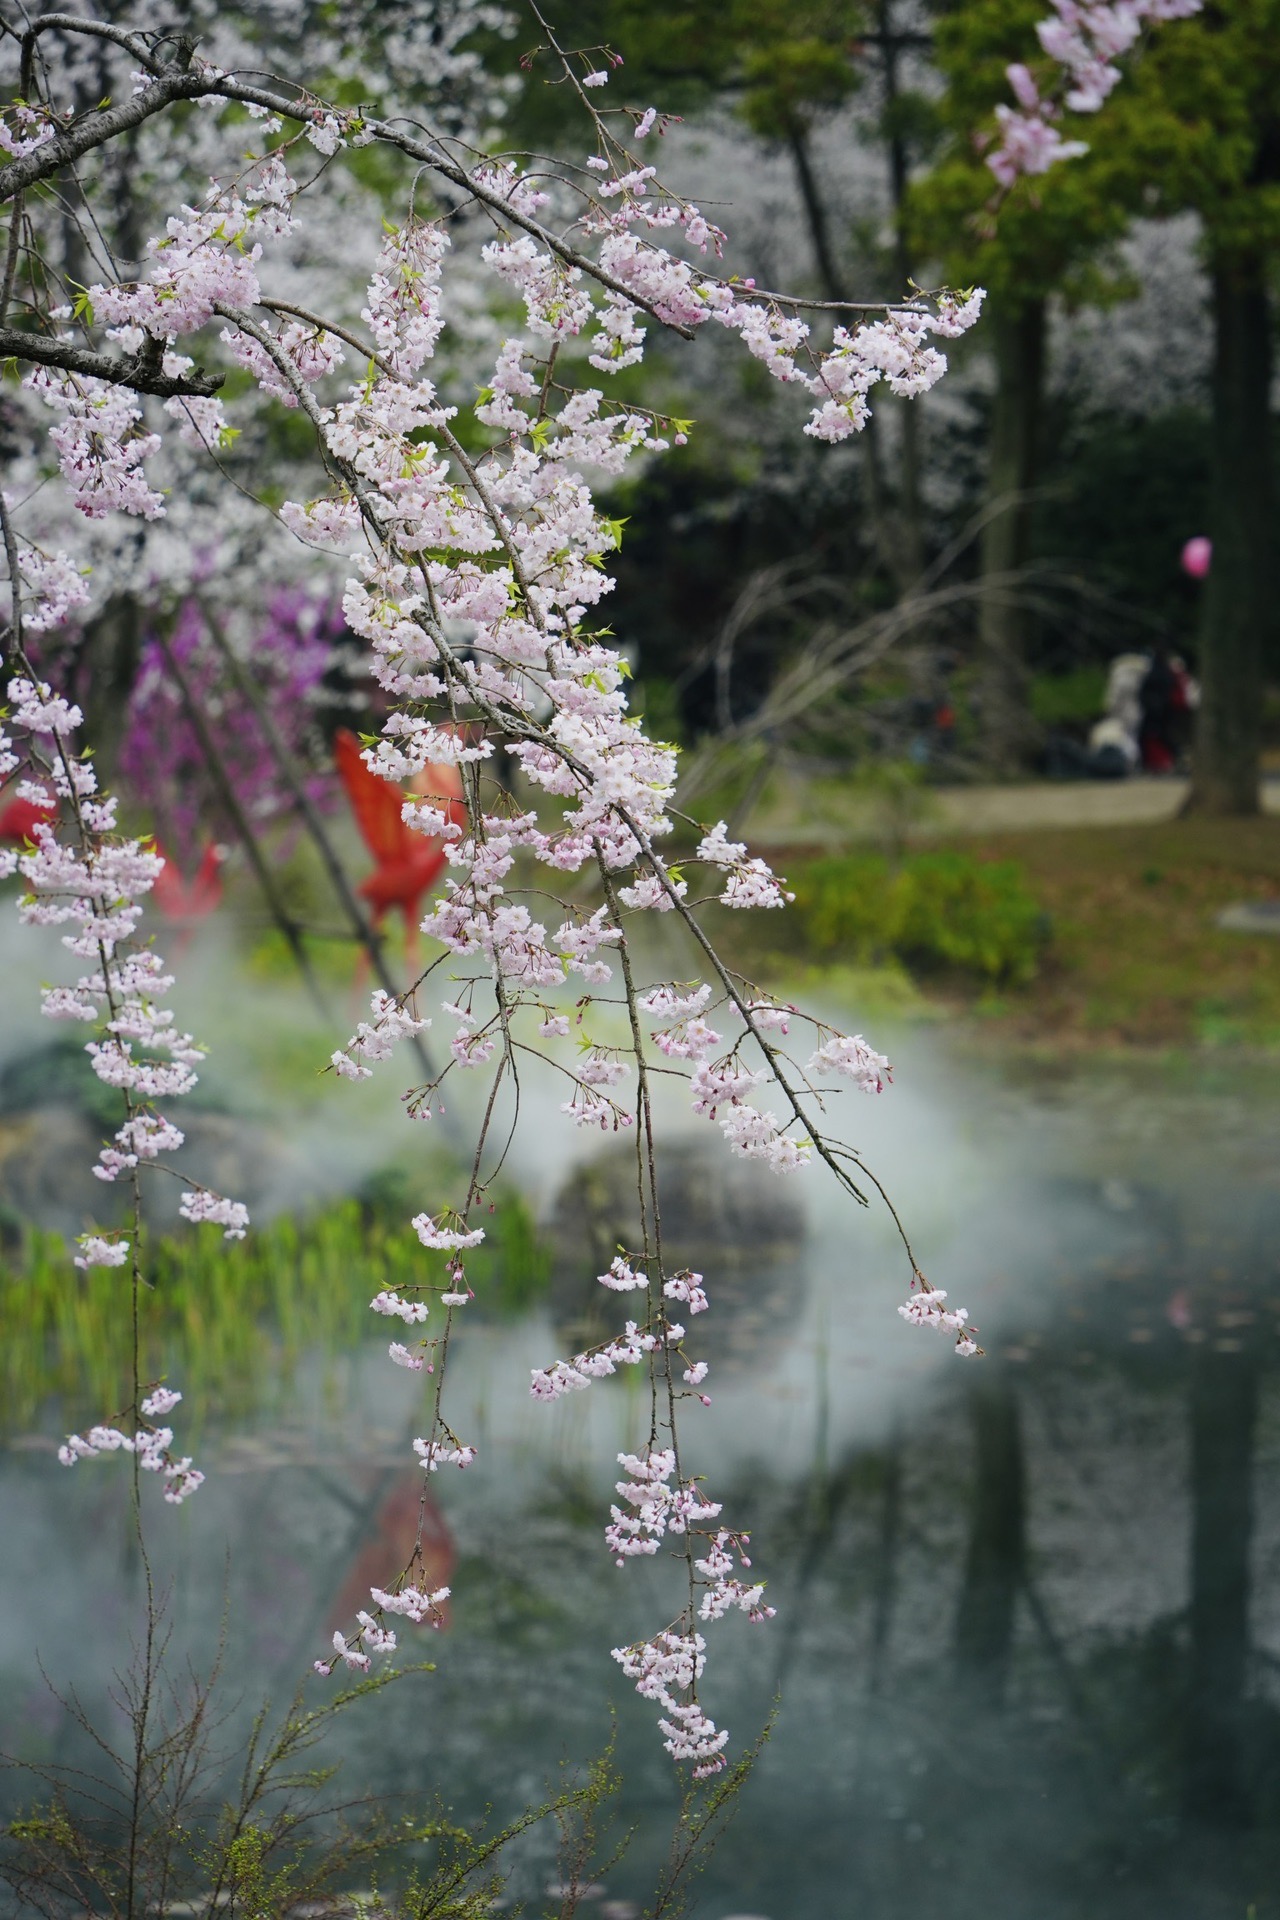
column 825, row 816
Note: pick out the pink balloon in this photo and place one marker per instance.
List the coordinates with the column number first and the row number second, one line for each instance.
column 1196, row 556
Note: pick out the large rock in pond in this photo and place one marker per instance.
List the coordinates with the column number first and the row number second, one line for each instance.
column 54, row 1116
column 737, row 1224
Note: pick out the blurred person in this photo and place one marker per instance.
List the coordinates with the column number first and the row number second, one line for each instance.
column 1168, row 697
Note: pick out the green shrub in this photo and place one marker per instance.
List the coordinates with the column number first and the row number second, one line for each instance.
column 1067, row 699
column 239, row 1315
column 846, row 906
column 976, row 914
column 936, row 909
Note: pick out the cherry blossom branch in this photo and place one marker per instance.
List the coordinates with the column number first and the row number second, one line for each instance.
column 63, row 149
column 19, row 344
column 473, row 588
column 96, row 884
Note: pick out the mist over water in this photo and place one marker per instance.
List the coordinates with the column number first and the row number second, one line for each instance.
column 1028, row 1632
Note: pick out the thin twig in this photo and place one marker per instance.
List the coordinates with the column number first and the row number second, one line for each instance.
column 239, row 820
column 362, row 929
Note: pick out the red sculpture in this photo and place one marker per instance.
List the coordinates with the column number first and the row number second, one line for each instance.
column 19, row 817
column 407, row 862
column 176, row 898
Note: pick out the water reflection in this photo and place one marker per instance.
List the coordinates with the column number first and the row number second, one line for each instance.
column 1029, row 1610
column 995, row 1566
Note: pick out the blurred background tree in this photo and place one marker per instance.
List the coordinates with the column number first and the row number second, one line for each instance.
column 1204, row 120
column 1058, row 474
column 952, row 585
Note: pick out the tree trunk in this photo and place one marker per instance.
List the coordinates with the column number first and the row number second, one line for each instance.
column 1018, row 337
column 997, row 1541
column 910, row 505
column 1224, row 1408
column 1236, row 609
column 833, row 288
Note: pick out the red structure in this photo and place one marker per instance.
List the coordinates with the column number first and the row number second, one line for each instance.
column 407, row 862
column 19, row 817
column 180, row 899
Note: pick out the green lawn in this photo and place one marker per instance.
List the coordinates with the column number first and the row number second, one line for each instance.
column 1134, row 958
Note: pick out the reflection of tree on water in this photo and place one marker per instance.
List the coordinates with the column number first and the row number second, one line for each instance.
column 1077, row 1536
column 1089, row 1512
column 996, row 1561
column 1206, row 1666
column 1224, row 1412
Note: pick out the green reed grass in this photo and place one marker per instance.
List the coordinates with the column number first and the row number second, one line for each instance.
column 230, row 1319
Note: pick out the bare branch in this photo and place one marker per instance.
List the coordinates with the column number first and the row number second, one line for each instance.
column 70, row 23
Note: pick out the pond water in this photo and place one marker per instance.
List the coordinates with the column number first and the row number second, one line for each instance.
column 1026, row 1657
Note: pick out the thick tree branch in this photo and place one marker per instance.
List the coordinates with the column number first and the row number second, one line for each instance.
column 70, row 23
column 175, row 85
column 136, row 373
column 97, row 128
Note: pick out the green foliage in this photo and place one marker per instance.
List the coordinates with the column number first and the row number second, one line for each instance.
column 240, row 1315
column 1201, row 117
column 792, row 77
column 1047, row 231
column 149, row 1833
column 935, row 909
column 1069, row 699
column 1195, row 124
column 970, row 914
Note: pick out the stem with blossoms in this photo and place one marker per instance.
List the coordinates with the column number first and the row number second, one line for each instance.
column 476, row 561
column 1081, row 41
column 91, row 877
column 524, row 502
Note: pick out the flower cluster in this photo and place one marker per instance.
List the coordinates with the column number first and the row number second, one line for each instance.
column 151, row 1446
column 206, row 260
column 927, row 1308
column 376, row 1039
column 718, row 1090
column 1085, row 38
column 894, row 350
column 94, row 881
column 100, row 445
column 56, row 587
column 434, row 1454
column 25, row 128
column 669, row 1665
column 851, row 1056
